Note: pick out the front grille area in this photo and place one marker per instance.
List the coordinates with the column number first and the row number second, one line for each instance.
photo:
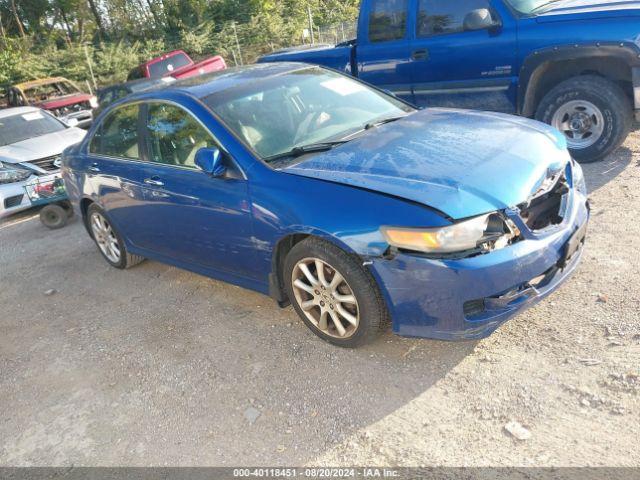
column 47, row 164
column 11, row 202
column 473, row 307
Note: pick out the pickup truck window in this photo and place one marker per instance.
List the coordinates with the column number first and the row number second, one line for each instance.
column 440, row 17
column 529, row 7
column 168, row 65
column 388, row 20
column 117, row 136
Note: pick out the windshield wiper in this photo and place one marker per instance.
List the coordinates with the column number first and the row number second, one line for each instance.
column 304, row 149
column 371, row 125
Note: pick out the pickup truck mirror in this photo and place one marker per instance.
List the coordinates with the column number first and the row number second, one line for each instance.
column 72, row 122
column 480, row 19
column 209, row 160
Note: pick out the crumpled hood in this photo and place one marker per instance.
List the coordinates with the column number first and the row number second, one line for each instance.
column 41, row 147
column 461, row 163
column 557, row 11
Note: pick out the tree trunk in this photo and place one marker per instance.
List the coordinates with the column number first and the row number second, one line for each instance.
column 2, row 32
column 96, row 14
column 156, row 18
column 65, row 19
column 17, row 17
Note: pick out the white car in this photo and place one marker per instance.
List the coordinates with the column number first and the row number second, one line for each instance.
column 31, row 141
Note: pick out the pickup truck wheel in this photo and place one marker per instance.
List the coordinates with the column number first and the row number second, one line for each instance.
column 333, row 294
column 108, row 240
column 593, row 112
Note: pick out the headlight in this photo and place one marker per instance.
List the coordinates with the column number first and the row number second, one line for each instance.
column 12, row 174
column 485, row 232
column 93, row 101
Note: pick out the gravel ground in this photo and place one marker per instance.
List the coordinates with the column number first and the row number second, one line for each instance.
column 157, row 366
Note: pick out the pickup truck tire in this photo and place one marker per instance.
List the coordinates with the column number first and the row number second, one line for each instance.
column 334, row 295
column 594, row 113
column 108, row 240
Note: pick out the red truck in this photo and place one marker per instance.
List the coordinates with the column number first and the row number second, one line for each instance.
column 176, row 64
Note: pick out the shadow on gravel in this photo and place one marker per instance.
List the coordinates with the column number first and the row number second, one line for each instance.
column 598, row 174
column 156, row 366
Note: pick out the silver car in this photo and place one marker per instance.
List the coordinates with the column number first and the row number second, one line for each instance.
column 31, row 141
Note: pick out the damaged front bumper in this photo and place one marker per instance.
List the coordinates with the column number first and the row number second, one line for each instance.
column 469, row 298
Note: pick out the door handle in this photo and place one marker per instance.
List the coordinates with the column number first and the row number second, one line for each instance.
column 94, row 168
column 420, row 54
column 155, row 181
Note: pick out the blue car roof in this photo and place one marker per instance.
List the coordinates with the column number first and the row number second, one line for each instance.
column 210, row 83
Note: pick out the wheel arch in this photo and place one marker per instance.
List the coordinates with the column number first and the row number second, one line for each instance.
column 542, row 70
column 85, row 203
column 283, row 246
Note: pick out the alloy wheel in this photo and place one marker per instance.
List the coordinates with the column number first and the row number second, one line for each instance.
column 105, row 237
column 326, row 299
column 581, row 122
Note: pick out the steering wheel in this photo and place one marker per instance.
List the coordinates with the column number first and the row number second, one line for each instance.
column 306, row 125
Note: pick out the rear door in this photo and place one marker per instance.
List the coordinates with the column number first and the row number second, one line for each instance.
column 189, row 216
column 383, row 45
column 113, row 170
column 464, row 69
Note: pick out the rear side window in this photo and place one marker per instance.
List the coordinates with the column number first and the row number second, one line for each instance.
column 174, row 136
column 164, row 67
column 387, row 20
column 117, row 136
column 440, row 17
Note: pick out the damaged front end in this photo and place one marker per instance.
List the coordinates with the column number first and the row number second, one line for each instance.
column 547, row 206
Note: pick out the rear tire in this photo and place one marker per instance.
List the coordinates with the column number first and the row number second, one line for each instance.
column 53, row 216
column 341, row 303
column 108, row 240
column 594, row 114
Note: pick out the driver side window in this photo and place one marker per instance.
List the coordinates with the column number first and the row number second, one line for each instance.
column 174, row 136
column 440, row 17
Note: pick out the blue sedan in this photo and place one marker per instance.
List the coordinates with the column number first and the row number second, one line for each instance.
column 328, row 194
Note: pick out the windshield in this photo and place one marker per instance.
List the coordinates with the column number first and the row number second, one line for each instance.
column 18, row 128
column 41, row 93
column 528, row 7
column 301, row 108
column 163, row 67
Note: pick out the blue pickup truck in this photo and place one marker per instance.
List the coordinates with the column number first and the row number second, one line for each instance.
column 574, row 64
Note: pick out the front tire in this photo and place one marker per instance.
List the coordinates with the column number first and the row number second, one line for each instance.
column 594, row 114
column 333, row 294
column 108, row 240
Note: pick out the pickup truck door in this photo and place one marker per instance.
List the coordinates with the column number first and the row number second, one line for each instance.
column 383, row 45
column 454, row 67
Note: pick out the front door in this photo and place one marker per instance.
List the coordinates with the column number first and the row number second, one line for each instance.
column 452, row 67
column 189, row 216
column 383, row 46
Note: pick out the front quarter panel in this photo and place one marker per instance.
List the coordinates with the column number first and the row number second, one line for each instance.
column 284, row 204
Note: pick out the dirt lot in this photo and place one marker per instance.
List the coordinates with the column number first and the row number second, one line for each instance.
column 156, row 366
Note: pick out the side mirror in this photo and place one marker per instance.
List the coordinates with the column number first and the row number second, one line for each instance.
column 480, row 19
column 209, row 160
column 72, row 122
